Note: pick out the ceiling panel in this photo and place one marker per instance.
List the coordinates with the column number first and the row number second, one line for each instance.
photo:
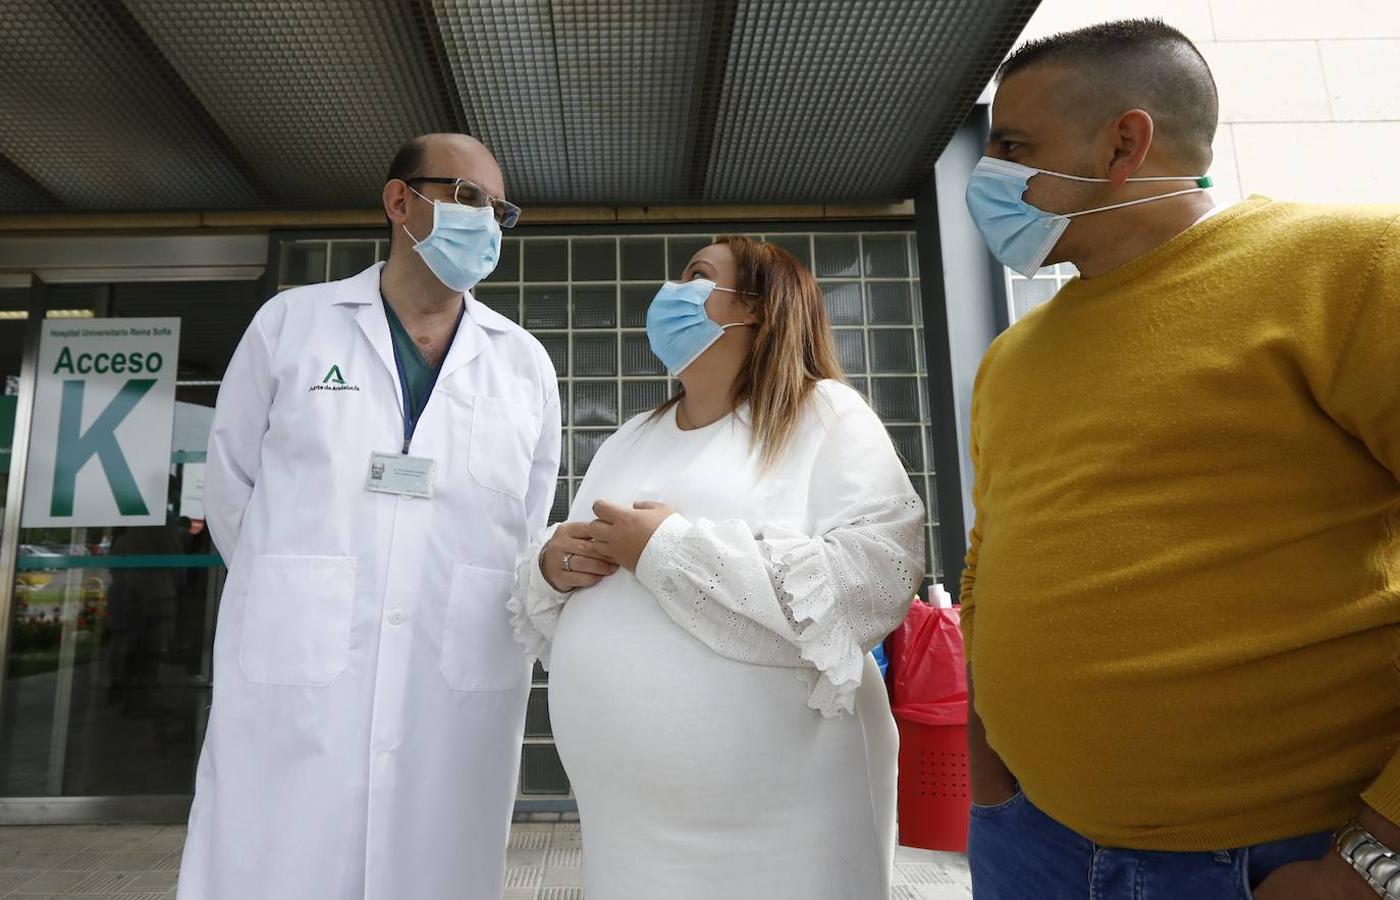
column 501, row 55
column 317, row 95
column 91, row 116
column 224, row 104
column 20, row 194
column 849, row 100
column 631, row 77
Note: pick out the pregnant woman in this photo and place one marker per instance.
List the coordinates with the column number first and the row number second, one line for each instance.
column 707, row 612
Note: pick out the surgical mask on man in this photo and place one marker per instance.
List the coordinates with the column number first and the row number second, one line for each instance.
column 1020, row 235
column 463, row 246
column 678, row 327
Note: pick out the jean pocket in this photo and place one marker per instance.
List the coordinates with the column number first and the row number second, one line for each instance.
column 983, row 812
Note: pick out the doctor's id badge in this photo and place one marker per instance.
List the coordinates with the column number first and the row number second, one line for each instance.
column 397, row 473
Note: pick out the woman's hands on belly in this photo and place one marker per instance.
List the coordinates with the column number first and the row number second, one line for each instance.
column 572, row 544
column 621, row 534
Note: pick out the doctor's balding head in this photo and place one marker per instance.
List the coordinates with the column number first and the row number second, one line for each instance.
column 444, row 198
column 447, row 167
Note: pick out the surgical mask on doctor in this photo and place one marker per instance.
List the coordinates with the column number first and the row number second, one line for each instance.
column 463, row 246
column 1020, row 235
column 678, row 327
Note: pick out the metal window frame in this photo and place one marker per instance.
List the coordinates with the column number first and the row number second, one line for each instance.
column 19, row 467
column 966, row 305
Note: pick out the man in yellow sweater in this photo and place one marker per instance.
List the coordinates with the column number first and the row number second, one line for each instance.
column 1182, row 598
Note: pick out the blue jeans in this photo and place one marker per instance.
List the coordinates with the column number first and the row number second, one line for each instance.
column 1017, row 852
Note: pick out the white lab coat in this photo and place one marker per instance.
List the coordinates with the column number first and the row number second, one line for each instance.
column 369, row 698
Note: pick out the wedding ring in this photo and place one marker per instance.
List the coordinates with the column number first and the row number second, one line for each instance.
column 568, row 562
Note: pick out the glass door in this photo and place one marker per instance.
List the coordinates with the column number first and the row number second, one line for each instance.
column 108, row 679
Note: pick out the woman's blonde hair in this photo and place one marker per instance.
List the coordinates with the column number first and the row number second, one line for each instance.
column 793, row 347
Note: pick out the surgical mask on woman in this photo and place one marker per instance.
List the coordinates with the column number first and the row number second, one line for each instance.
column 678, row 327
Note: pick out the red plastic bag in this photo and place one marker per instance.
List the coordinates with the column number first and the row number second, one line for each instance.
column 929, row 671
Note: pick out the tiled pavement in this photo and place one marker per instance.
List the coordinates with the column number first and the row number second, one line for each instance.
column 93, row 862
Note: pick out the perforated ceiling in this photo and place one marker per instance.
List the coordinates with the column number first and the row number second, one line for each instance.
column 501, row 56
column 315, row 94
column 91, row 114
column 223, row 104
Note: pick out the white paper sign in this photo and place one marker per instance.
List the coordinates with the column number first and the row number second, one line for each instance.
column 192, row 491
column 104, row 407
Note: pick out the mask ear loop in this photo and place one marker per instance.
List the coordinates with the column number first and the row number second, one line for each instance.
column 1085, row 212
column 415, row 240
column 1203, row 183
column 737, row 324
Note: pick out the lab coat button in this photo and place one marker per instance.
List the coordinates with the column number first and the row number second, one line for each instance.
column 397, row 617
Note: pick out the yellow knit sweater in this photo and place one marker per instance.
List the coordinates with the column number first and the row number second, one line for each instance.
column 1182, row 600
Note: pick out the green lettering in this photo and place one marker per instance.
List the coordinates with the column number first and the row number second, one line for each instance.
column 65, row 362
column 76, row 447
column 154, row 363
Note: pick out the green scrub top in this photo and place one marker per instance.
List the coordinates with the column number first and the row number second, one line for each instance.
column 418, row 376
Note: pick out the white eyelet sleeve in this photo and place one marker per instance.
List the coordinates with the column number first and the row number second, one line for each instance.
column 534, row 604
column 818, row 598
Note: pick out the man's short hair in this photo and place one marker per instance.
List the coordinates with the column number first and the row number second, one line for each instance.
column 408, row 162
column 1134, row 64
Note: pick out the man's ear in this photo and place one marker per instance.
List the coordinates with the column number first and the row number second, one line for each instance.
column 1133, row 134
column 395, row 198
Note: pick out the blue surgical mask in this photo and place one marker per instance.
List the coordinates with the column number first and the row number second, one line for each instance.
column 1020, row 235
column 463, row 246
column 677, row 325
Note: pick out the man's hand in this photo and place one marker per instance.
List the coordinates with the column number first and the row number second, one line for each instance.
column 992, row 782
column 1329, row 878
column 621, row 534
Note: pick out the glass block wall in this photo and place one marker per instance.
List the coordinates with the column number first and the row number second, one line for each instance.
column 1025, row 294
column 585, row 298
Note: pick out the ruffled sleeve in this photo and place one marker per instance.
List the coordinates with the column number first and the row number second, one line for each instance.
column 819, row 600
column 534, row 605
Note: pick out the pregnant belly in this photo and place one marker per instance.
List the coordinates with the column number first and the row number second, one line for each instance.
column 639, row 705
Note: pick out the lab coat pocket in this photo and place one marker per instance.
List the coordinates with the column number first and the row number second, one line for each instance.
column 502, row 446
column 296, row 619
column 479, row 652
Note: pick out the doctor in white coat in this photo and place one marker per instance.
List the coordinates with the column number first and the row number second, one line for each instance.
column 369, row 697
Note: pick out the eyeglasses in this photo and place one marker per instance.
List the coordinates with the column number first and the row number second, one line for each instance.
column 468, row 194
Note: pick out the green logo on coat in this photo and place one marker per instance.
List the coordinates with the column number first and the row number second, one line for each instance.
column 334, row 381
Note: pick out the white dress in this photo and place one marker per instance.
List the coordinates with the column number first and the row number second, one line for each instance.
column 720, row 717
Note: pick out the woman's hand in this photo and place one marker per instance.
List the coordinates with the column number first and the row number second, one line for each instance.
column 621, row 534
column 586, row 566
